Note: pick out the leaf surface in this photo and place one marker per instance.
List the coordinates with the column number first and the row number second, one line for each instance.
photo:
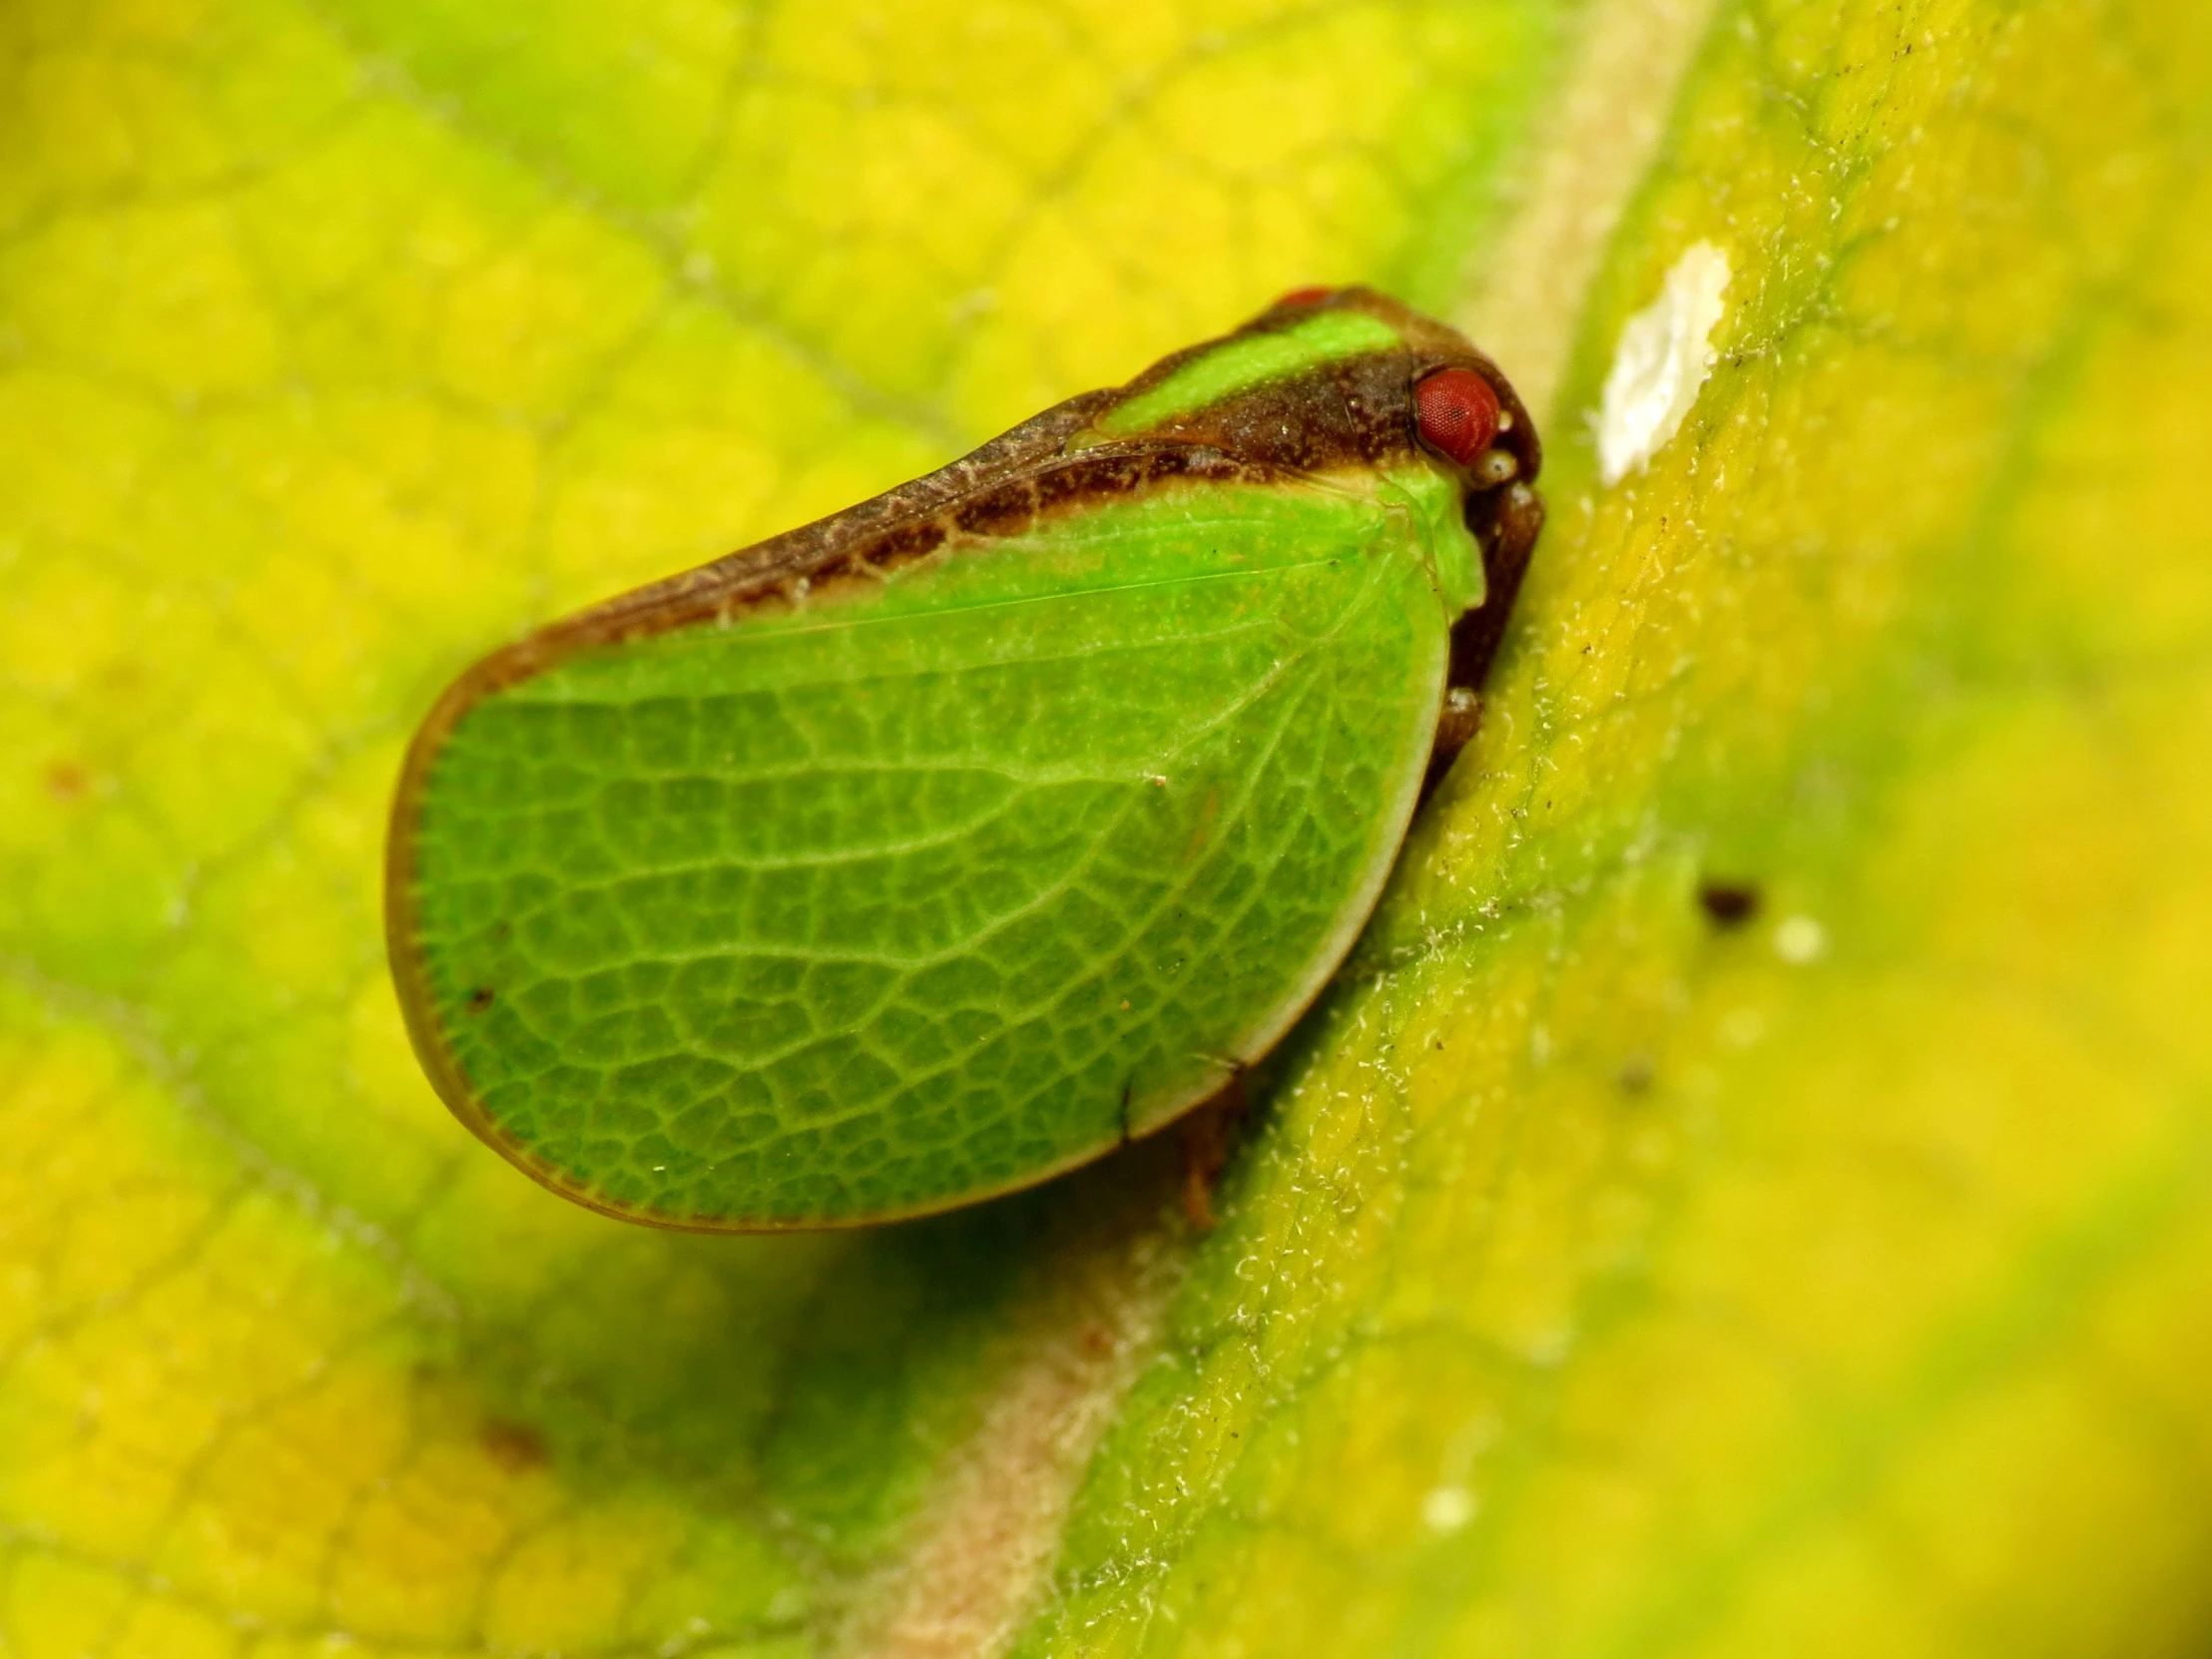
column 1600, row 1276
column 1749, row 1196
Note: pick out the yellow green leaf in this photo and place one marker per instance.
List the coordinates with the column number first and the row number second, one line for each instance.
column 1622, row 1274
column 1605, row 1271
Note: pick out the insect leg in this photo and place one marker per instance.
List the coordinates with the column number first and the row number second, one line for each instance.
column 1504, row 523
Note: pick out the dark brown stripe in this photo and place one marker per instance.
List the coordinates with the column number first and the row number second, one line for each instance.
column 1350, row 414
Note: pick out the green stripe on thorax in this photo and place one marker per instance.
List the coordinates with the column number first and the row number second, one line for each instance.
column 1243, row 362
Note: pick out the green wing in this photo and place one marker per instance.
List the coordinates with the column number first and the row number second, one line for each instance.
column 884, row 902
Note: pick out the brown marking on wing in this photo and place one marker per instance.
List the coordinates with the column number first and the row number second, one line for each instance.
column 1009, row 510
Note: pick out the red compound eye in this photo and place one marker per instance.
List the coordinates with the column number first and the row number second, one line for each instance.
column 1306, row 297
column 1457, row 413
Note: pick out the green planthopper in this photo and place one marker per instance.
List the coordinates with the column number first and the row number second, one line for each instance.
column 945, row 844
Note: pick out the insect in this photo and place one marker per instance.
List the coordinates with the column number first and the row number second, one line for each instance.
column 924, row 851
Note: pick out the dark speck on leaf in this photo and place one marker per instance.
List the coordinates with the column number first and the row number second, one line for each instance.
column 1635, row 1074
column 479, row 999
column 514, row 1447
column 1729, row 904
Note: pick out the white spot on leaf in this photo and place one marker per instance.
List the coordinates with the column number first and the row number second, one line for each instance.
column 1661, row 361
column 1798, row 940
column 1447, row 1508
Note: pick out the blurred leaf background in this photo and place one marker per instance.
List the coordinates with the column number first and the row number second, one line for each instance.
column 1600, row 1276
